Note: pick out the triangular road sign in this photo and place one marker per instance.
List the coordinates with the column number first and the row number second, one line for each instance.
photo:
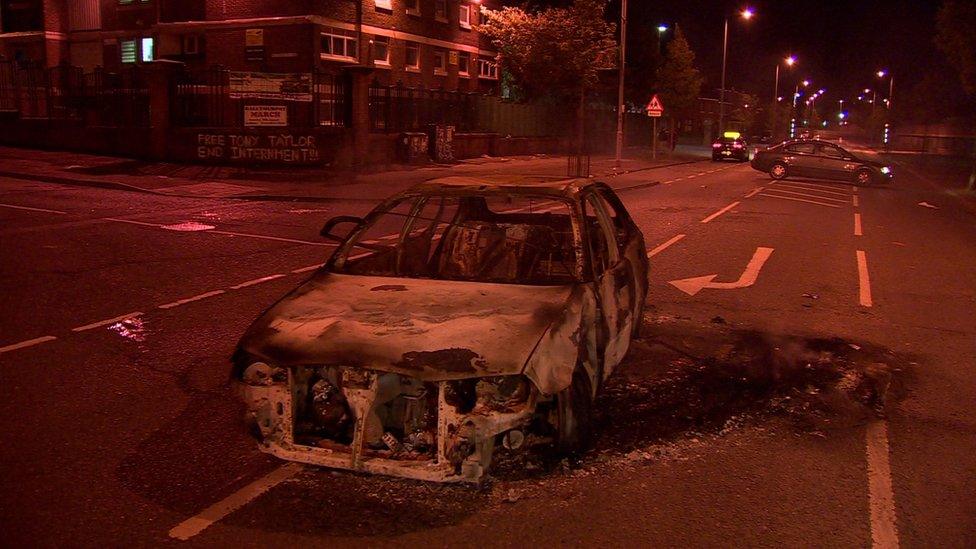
column 654, row 107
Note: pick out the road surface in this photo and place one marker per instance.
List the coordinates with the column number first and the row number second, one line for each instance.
column 121, row 310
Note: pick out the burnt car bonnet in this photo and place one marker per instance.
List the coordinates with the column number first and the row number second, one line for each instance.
column 426, row 329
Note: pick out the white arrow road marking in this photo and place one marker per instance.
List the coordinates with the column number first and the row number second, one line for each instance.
column 692, row 286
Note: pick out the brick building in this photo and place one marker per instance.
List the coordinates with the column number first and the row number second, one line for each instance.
column 418, row 42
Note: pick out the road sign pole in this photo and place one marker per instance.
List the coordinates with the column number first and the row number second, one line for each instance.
column 654, row 140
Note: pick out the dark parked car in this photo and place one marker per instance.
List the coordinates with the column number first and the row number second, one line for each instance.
column 819, row 159
column 455, row 315
column 730, row 145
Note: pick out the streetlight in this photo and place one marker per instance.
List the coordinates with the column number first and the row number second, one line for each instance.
column 747, row 15
column 620, row 90
column 790, row 61
column 891, row 84
column 661, row 29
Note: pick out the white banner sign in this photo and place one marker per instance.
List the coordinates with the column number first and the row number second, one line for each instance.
column 265, row 115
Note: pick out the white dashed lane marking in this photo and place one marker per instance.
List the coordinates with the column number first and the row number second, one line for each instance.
column 196, row 524
column 720, row 212
column 864, row 280
column 881, row 498
column 857, row 225
column 795, row 199
column 30, row 209
column 179, row 302
column 256, row 281
column 660, row 248
column 28, row 343
column 106, row 322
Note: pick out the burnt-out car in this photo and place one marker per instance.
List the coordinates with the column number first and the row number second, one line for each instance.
column 455, row 316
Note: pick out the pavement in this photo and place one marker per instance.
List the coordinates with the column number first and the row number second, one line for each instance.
column 725, row 425
column 308, row 184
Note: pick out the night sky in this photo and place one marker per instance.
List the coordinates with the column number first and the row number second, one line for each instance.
column 839, row 45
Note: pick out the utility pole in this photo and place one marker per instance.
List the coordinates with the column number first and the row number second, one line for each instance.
column 721, row 92
column 620, row 88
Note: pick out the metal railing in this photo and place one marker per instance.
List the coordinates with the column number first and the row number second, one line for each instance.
column 208, row 98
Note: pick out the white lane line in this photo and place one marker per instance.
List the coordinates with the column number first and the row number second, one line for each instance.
column 191, row 299
column 106, row 322
column 854, row 200
column 28, row 208
column 265, row 237
column 794, row 199
column 884, row 531
column 256, row 281
column 815, row 186
column 720, row 212
column 306, row 269
column 863, row 280
column 857, row 225
column 132, row 222
column 28, row 343
column 665, row 245
column 808, row 195
column 226, row 233
column 853, row 188
column 811, row 189
column 668, row 181
column 196, row 524
column 753, row 192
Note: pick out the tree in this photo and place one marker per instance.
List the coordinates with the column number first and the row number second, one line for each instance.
column 679, row 82
column 555, row 51
column 956, row 39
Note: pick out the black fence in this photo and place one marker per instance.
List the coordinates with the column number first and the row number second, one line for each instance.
column 399, row 108
column 99, row 98
column 218, row 97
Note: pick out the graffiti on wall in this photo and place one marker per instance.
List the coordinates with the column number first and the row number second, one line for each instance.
column 280, row 148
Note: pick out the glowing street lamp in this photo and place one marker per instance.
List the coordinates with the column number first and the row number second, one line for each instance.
column 790, row 61
column 891, row 84
column 745, row 14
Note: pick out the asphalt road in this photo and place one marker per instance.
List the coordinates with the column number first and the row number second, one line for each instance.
column 121, row 309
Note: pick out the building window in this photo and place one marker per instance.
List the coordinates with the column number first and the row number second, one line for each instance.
column 413, row 7
column 464, row 16
column 384, row 5
column 440, row 10
column 339, row 43
column 127, row 49
column 131, row 2
column 487, row 69
column 381, row 50
column 191, row 44
column 464, row 64
column 440, row 62
column 412, row 62
column 146, row 50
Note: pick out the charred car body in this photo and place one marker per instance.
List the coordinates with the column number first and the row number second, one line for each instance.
column 455, row 316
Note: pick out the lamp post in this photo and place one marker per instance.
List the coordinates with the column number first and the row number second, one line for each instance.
column 745, row 14
column 620, row 88
column 661, row 29
column 891, row 84
column 790, row 61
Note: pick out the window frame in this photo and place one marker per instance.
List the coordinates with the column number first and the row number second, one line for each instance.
column 491, row 74
column 464, row 15
column 406, row 57
column 415, row 10
column 385, row 61
column 440, row 11
column 467, row 63
column 347, row 37
column 385, row 5
column 440, row 62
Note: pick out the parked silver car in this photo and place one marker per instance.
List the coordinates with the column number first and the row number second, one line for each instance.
column 819, row 159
